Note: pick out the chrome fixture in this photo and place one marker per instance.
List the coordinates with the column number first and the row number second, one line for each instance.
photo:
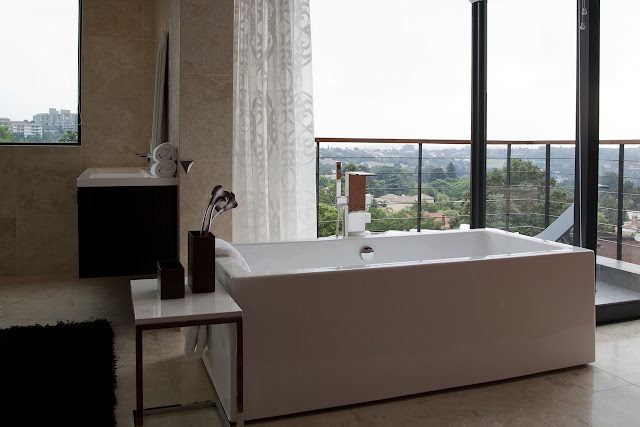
column 186, row 165
column 149, row 158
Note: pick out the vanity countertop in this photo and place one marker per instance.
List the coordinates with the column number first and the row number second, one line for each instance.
column 121, row 177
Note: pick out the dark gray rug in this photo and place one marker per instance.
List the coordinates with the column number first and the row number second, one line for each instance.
column 60, row 375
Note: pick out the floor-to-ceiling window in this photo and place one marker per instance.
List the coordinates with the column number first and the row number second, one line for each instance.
column 619, row 164
column 531, row 114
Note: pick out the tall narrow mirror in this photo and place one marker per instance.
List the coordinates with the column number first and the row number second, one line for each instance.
column 158, row 102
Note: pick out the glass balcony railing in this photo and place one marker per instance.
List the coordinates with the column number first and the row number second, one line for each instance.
column 424, row 184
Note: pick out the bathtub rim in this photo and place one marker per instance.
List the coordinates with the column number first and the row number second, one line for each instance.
column 234, row 270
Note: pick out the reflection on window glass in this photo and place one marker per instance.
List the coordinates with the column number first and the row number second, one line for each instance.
column 39, row 90
column 392, row 70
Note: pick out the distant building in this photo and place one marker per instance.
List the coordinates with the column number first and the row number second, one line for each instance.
column 25, row 128
column 396, row 203
column 4, row 120
column 438, row 217
column 65, row 120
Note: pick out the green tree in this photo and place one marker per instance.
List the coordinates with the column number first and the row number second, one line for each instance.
column 34, row 139
column 526, row 197
column 69, row 136
column 451, row 170
column 610, row 179
column 436, row 174
column 396, row 180
column 6, row 135
column 607, row 213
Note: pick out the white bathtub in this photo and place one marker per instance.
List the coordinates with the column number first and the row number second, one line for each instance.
column 322, row 328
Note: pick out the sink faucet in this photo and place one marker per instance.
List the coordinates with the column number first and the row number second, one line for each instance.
column 149, row 158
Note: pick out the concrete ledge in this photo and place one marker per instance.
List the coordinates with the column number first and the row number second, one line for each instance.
column 619, row 273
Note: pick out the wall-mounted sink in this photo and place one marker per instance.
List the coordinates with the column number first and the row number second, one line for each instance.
column 121, row 177
column 119, row 173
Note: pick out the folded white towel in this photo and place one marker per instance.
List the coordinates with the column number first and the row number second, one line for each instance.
column 195, row 340
column 224, row 248
column 164, row 169
column 164, row 151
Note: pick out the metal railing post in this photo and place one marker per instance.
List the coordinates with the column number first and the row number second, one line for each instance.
column 620, row 196
column 419, row 186
column 507, row 204
column 547, row 183
column 478, row 202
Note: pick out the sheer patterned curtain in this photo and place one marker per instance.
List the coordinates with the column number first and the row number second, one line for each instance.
column 273, row 148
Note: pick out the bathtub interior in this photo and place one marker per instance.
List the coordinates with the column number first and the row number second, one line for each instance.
column 410, row 248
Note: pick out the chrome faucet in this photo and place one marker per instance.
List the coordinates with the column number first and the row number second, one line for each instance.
column 149, row 158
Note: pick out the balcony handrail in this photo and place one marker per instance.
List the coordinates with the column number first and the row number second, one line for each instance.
column 466, row 141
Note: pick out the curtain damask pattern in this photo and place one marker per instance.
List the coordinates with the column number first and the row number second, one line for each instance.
column 273, row 149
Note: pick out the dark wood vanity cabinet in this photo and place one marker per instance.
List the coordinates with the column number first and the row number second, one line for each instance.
column 124, row 231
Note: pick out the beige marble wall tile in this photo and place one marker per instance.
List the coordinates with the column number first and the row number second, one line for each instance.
column 173, row 28
column 207, row 39
column 46, row 245
column 161, row 22
column 149, row 19
column 206, row 117
column 106, row 161
column 8, row 186
column 149, row 72
column 112, row 67
column 111, row 126
column 7, row 246
column 46, row 185
column 75, row 150
column 113, row 18
column 193, row 196
column 7, row 150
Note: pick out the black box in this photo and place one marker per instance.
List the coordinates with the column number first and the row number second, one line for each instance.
column 170, row 279
column 202, row 262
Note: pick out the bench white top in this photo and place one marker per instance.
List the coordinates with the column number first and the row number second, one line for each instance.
column 149, row 309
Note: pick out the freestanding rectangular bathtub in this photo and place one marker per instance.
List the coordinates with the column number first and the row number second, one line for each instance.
column 323, row 328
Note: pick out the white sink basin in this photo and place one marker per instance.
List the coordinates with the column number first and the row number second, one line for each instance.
column 120, row 173
column 121, row 177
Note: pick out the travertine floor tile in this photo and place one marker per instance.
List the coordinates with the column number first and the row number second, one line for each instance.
column 613, row 407
column 556, row 384
column 620, row 358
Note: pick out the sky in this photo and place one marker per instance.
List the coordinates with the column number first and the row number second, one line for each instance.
column 388, row 69
column 402, row 69
column 40, row 57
